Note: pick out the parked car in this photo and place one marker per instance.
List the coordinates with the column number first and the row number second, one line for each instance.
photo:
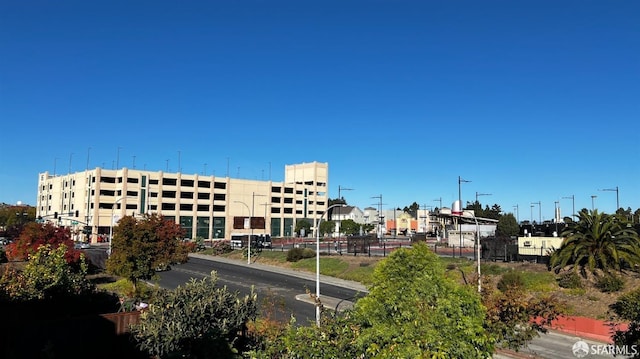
column 82, row 245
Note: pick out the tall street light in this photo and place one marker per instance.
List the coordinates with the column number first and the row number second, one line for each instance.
column 481, row 194
column 539, row 211
column 340, row 189
column 460, row 181
column 517, row 208
column 593, row 203
column 573, row 203
column 318, row 262
column 617, row 196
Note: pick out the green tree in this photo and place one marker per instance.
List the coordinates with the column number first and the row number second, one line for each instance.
column 197, row 320
column 349, row 227
column 303, row 223
column 47, row 275
column 627, row 309
column 597, row 241
column 413, row 310
column 327, row 227
column 140, row 247
column 507, row 226
column 412, row 210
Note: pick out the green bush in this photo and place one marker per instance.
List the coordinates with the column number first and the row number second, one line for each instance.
column 296, row 254
column 570, row 280
column 511, row 280
column 609, row 283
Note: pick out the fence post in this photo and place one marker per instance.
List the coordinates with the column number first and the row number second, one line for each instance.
column 384, row 249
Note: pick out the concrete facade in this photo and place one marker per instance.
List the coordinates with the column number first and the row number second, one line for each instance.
column 205, row 206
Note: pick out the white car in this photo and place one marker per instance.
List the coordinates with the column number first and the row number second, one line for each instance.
column 82, row 245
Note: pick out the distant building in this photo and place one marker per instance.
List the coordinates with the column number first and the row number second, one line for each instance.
column 205, row 206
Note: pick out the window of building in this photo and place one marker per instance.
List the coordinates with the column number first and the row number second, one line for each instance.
column 153, row 194
column 168, row 194
column 288, row 190
column 299, row 201
column 299, row 192
column 275, row 189
column 186, row 195
column 169, row 181
column 220, row 185
column 168, row 206
column 186, row 183
column 204, row 196
column 275, row 199
column 288, row 200
column 153, row 181
column 219, row 196
column 132, row 193
column 203, row 208
column 218, row 208
column 288, row 210
column 204, row 184
column 106, row 192
column 275, row 210
column 132, row 180
column 186, row 207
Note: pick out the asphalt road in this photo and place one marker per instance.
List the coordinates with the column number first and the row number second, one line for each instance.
column 287, row 290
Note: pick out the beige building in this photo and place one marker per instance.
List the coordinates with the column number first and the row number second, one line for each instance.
column 205, row 206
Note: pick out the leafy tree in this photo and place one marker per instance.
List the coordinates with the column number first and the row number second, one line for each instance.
column 626, row 308
column 47, row 275
column 197, row 320
column 510, row 310
column 327, row 227
column 349, row 226
column 597, row 241
column 140, row 247
column 412, row 210
column 34, row 235
column 13, row 218
column 303, row 223
column 507, row 226
column 412, row 310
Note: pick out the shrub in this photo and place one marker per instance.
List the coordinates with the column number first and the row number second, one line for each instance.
column 511, row 280
column 221, row 247
column 609, row 283
column 296, row 254
column 570, row 280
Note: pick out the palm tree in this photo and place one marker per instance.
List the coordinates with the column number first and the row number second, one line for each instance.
column 598, row 241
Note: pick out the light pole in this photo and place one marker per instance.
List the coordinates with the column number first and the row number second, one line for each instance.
column 340, row 189
column 481, row 194
column 593, row 197
column 113, row 208
column 539, row 211
column 440, row 201
column 556, row 214
column 573, row 204
column 460, row 181
column 318, row 262
column 517, row 213
column 617, row 197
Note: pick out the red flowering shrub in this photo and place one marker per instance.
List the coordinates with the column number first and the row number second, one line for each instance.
column 34, row 235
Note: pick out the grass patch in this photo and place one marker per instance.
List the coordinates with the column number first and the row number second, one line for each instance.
column 360, row 274
column 492, row 269
column 328, row 266
column 124, row 288
column 539, row 281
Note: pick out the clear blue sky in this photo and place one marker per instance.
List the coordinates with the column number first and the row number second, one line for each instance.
column 529, row 100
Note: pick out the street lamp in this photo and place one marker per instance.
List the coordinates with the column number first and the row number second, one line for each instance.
column 573, row 203
column 481, row 194
column 517, row 208
column 617, row 197
column 460, row 180
column 539, row 211
column 340, row 189
column 318, row 261
column 113, row 208
column 593, row 197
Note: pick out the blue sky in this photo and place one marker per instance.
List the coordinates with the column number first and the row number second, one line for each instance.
column 531, row 101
